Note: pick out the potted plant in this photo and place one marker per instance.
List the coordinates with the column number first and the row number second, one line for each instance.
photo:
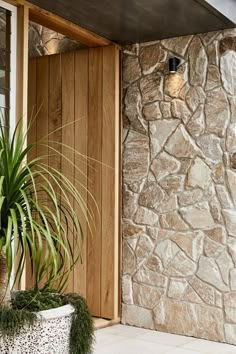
column 35, row 225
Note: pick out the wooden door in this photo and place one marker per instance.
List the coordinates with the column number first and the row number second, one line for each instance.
column 79, row 91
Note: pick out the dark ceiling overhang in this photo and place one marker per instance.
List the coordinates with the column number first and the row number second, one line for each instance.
column 132, row 21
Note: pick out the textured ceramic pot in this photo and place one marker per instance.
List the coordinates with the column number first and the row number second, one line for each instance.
column 50, row 334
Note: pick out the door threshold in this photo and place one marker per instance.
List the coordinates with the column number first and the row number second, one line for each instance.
column 100, row 323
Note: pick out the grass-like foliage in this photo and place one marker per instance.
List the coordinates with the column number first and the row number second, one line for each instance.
column 38, row 213
column 25, row 303
column 12, row 320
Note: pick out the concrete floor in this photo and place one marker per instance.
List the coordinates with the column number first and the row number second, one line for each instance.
column 121, row 339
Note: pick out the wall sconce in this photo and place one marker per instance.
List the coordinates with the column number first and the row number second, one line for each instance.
column 173, row 64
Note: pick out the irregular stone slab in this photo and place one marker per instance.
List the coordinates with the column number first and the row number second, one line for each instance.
column 217, row 112
column 230, row 333
column 191, row 243
column 232, row 101
column 224, row 197
column 191, row 296
column 129, row 203
column 145, row 216
column 144, row 246
column 132, row 108
column 174, row 83
column 166, row 250
column 232, row 249
column 228, row 71
column 180, row 110
column 189, row 319
column 135, row 157
column 230, row 220
column 195, row 97
column 147, row 296
column 199, row 175
column 127, row 290
column 164, row 165
column 215, row 209
column 130, row 230
column 177, row 288
column 207, row 38
column 180, row 266
column 184, row 91
column 129, row 261
column 173, row 184
column 227, row 43
column 231, row 176
column 196, row 125
column 232, row 277
column 151, row 196
column 198, row 216
column 151, row 87
column 198, row 62
column 225, row 263
column 185, row 165
column 137, row 316
column 160, row 132
column 218, row 234
column 178, row 45
column 212, row 248
column 213, row 53
column 181, row 144
column 210, row 146
column 152, row 111
column 173, row 221
column 149, row 277
column 165, row 109
column 205, row 291
column 131, row 69
column 150, row 57
column 169, row 205
column 154, row 263
column 209, row 272
column 190, row 197
column 213, row 78
column 230, row 307
column 231, row 137
column 218, row 173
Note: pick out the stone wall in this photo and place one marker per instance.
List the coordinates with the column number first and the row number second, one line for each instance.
column 44, row 41
column 179, row 186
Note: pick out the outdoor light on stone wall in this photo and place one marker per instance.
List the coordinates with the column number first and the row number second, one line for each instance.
column 173, row 64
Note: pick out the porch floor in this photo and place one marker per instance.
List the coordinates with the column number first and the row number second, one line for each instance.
column 120, row 339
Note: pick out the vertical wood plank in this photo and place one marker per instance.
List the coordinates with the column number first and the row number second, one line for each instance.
column 110, row 183
column 81, row 137
column 68, row 130
column 42, row 99
column 31, row 138
column 94, row 179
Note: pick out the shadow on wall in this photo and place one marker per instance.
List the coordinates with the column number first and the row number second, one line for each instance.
column 179, row 186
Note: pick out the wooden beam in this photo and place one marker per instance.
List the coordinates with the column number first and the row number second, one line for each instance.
column 61, row 25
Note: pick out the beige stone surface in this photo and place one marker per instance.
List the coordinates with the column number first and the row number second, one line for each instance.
column 195, row 320
column 208, row 271
column 131, row 69
column 179, row 204
column 199, row 175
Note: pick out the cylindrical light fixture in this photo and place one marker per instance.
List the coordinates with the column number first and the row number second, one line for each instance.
column 173, row 64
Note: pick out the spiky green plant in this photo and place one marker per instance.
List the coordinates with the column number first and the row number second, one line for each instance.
column 34, row 221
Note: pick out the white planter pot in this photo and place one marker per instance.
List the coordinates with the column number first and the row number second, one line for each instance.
column 50, row 334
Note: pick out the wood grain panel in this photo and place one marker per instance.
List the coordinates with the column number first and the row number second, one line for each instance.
column 79, row 91
column 94, row 179
column 42, row 116
column 81, row 138
column 110, row 169
column 31, row 138
column 68, row 127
